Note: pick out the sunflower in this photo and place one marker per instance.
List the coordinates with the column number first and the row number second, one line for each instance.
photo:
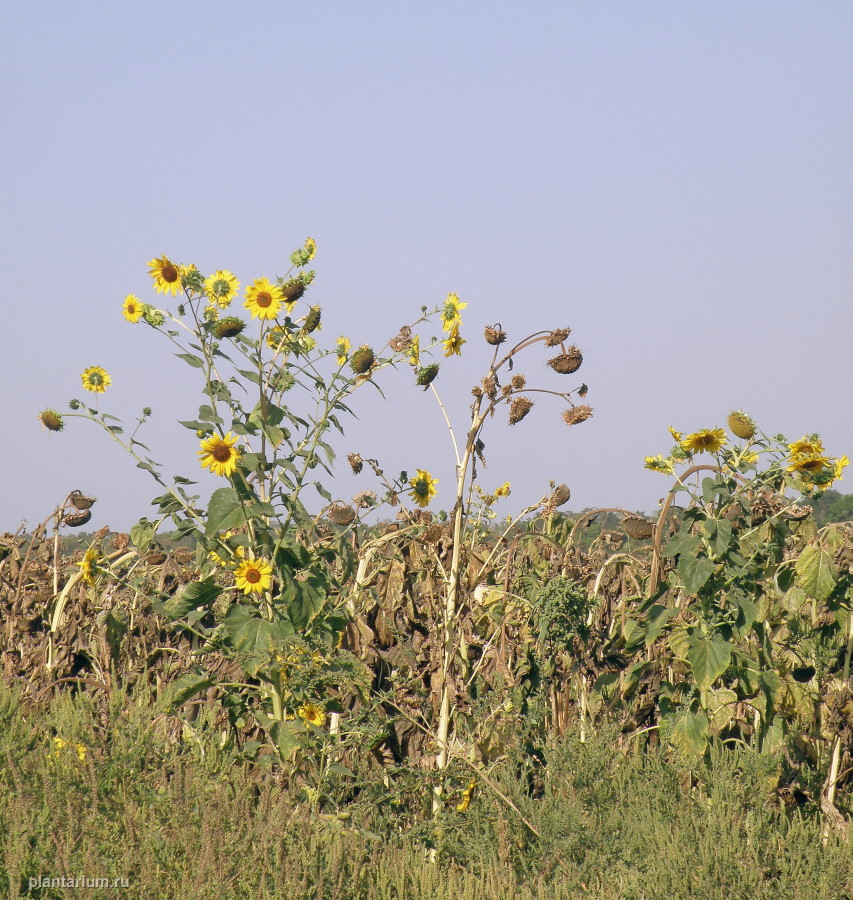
column 808, row 445
column 218, row 454
column 677, row 435
column 453, row 343
column 810, row 465
column 263, row 299
column 166, row 275
column 133, row 308
column 450, row 318
column 95, row 379
column 313, row 714
column 221, row 288
column 253, row 576
column 709, row 439
column 310, row 248
column 343, row 347
column 659, row 464
column 51, row 420
column 88, row 564
column 414, row 351
column 467, row 794
column 423, row 487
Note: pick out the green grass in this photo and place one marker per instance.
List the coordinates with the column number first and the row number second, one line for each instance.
column 168, row 809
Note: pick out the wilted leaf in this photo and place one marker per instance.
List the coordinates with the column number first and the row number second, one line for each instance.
column 816, row 572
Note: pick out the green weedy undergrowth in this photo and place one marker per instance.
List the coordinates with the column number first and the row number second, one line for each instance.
column 156, row 807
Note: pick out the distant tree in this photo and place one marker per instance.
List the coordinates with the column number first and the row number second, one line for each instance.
column 833, row 506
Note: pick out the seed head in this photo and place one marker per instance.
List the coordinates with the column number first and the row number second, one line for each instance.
column 567, row 362
column 577, row 414
column 741, row 425
column 518, row 409
column 51, row 420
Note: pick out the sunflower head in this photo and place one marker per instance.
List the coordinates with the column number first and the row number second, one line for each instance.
column 741, row 425
column 568, row 362
column 51, row 420
column 263, row 299
column 708, row 440
column 343, row 347
column 292, row 290
column 362, row 360
column 422, row 487
column 808, row 445
column 88, row 565
column 253, row 576
column 221, row 288
column 426, row 375
column 450, row 313
column 494, row 335
column 219, row 454
column 577, row 414
column 166, row 275
column 518, row 409
column 312, row 320
column 229, row 327
column 659, row 464
column 133, row 308
column 453, row 342
column 312, row 714
column 95, row 379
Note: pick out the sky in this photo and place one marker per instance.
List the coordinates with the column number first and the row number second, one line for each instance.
column 670, row 179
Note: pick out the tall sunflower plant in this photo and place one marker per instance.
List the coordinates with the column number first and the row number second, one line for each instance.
column 737, row 562
column 273, row 577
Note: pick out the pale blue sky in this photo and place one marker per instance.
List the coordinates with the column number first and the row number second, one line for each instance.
column 671, row 179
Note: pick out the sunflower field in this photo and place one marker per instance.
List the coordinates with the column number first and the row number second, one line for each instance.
column 459, row 701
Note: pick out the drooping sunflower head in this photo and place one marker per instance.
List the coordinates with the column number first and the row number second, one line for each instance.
column 263, row 299
column 708, row 440
column 426, row 375
column 568, row 362
column 51, row 420
column 166, row 275
column 219, row 454
column 95, row 379
column 577, row 414
column 228, row 327
column 133, row 308
column 312, row 320
column 253, row 576
column 518, row 409
column 221, row 288
column 422, row 487
column 312, row 714
column 741, row 425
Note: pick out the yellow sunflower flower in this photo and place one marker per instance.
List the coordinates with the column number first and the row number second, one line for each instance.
column 312, row 714
column 450, row 318
column 343, row 347
column 677, row 436
column 310, row 248
column 423, row 487
column 810, row 465
column 263, row 299
column 219, row 455
column 221, row 287
column 659, row 464
column 840, row 465
column 808, row 445
column 88, row 564
column 133, row 308
column 708, row 440
column 253, row 576
column 453, row 343
column 467, row 794
column 414, row 351
column 95, row 379
column 166, row 275
column 503, row 491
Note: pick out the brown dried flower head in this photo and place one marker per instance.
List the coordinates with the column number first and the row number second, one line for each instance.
column 401, row 341
column 518, row 382
column 494, row 335
column 490, row 386
column 577, row 414
column 518, row 409
column 557, row 336
column 356, row 463
column 341, row 514
column 637, row 527
column 567, row 362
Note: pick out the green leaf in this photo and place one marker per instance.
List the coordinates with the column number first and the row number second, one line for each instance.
column 719, row 534
column 207, row 414
column 708, row 658
column 186, row 687
column 658, row 616
column 195, row 361
column 687, row 734
column 254, row 637
column 681, row 543
column 142, row 534
column 224, row 511
column 193, row 596
column 694, row 572
column 816, row 572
